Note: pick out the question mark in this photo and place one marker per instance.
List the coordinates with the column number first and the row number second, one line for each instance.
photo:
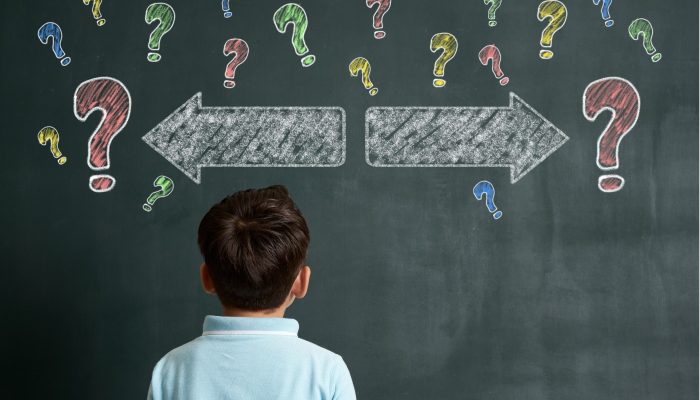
column 50, row 134
column 495, row 4
column 166, row 18
column 485, row 188
column 226, row 9
column 52, row 30
column 361, row 65
column 448, row 43
column 641, row 26
column 292, row 13
column 620, row 97
column 605, row 12
column 378, row 17
column 492, row 53
column 556, row 12
column 96, row 4
column 166, row 186
column 240, row 47
column 112, row 99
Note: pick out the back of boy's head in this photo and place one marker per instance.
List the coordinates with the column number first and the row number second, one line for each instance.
column 254, row 244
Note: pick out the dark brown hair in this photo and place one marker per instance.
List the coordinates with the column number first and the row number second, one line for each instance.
column 254, row 243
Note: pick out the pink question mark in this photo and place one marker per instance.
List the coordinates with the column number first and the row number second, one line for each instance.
column 240, row 47
column 383, row 8
column 112, row 99
column 492, row 53
column 620, row 97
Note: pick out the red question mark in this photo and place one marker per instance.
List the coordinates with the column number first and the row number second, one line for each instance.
column 110, row 97
column 492, row 53
column 619, row 96
column 240, row 47
column 382, row 9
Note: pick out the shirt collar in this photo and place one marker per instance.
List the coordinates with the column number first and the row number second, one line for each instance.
column 216, row 325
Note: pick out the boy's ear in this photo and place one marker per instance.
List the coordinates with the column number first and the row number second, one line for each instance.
column 207, row 283
column 301, row 283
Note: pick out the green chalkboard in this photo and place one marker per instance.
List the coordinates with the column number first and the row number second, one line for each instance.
column 580, row 281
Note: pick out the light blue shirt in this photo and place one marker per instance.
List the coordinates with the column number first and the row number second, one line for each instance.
column 250, row 358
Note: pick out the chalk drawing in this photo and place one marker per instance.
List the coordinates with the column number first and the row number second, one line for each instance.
column 226, row 8
column 49, row 134
column 166, row 186
column 555, row 11
column 96, row 13
column 642, row 27
column 491, row 53
column 515, row 137
column 360, row 65
column 194, row 137
column 53, row 31
column 240, row 48
column 110, row 97
column 605, row 11
column 485, row 189
column 621, row 98
column 292, row 13
column 165, row 15
column 446, row 42
column 495, row 5
column 383, row 7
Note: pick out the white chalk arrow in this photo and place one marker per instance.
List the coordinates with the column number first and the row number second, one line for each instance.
column 194, row 137
column 516, row 137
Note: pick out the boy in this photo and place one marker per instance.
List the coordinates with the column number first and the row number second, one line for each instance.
column 254, row 244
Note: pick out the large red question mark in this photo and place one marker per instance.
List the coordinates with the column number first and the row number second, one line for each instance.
column 113, row 100
column 240, row 47
column 382, row 9
column 620, row 97
column 492, row 53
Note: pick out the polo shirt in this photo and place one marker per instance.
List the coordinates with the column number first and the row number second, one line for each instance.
column 250, row 358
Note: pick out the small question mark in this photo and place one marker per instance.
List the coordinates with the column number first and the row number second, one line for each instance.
column 240, row 48
column 641, row 26
column 485, row 188
column 112, row 99
column 166, row 186
column 226, row 9
column 448, row 43
column 556, row 12
column 378, row 17
column 495, row 4
column 166, row 19
column 96, row 4
column 360, row 65
column 620, row 97
column 52, row 30
column 292, row 13
column 50, row 134
column 492, row 53
column 605, row 11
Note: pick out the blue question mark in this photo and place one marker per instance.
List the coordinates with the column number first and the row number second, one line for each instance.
column 486, row 188
column 226, row 8
column 605, row 11
column 52, row 30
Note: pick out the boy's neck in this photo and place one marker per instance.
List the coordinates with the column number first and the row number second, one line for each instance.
column 270, row 313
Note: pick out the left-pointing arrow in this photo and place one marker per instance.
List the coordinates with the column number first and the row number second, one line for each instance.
column 193, row 137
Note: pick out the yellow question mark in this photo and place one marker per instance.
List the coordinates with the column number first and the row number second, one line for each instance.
column 555, row 11
column 50, row 134
column 448, row 43
column 361, row 65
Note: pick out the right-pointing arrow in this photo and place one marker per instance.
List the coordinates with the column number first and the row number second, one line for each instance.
column 517, row 137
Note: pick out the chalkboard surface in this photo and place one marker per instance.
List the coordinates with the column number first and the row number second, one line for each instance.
column 578, row 291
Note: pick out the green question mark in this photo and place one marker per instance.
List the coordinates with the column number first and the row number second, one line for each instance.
column 495, row 4
column 292, row 13
column 641, row 26
column 166, row 17
column 166, row 186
